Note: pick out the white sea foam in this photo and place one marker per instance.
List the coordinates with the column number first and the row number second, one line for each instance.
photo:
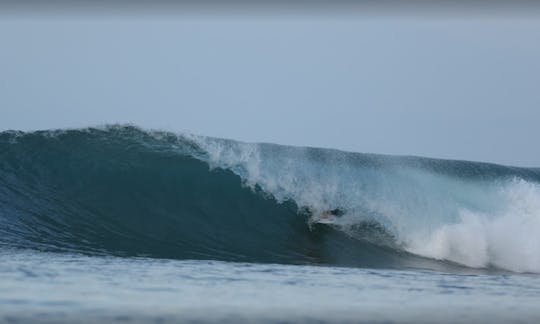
column 476, row 222
column 508, row 239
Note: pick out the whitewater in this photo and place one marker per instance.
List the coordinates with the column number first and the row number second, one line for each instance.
column 118, row 223
column 464, row 212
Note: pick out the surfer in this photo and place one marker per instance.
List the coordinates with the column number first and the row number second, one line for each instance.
column 331, row 213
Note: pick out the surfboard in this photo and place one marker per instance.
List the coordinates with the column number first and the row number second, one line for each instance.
column 328, row 220
column 325, row 219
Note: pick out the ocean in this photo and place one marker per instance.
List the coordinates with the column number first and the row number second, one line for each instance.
column 122, row 224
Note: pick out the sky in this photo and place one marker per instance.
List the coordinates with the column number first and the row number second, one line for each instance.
column 460, row 86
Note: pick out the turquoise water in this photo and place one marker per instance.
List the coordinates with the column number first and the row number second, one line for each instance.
column 122, row 224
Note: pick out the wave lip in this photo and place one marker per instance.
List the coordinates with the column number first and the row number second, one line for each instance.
column 126, row 191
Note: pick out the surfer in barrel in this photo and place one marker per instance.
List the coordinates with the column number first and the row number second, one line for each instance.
column 331, row 213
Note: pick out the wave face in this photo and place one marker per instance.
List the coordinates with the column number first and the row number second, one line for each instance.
column 124, row 191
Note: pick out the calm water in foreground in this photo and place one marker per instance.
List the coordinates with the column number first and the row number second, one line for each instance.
column 51, row 288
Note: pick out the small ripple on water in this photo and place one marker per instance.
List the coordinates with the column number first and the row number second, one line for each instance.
column 139, row 290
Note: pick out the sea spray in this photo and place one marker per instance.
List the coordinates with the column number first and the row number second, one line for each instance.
column 122, row 190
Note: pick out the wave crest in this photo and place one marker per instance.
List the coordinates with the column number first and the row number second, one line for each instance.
column 126, row 191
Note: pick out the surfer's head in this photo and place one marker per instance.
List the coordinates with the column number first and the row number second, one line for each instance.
column 331, row 213
column 334, row 212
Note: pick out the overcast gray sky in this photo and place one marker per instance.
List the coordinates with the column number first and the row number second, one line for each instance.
column 450, row 87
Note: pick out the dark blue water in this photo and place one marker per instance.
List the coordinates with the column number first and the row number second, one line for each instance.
column 123, row 224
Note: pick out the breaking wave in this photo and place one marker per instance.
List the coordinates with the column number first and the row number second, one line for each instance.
column 125, row 191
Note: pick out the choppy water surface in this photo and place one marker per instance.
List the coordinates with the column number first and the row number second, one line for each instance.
column 48, row 287
column 122, row 224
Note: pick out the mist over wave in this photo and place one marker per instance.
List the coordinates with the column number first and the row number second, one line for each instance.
column 126, row 191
